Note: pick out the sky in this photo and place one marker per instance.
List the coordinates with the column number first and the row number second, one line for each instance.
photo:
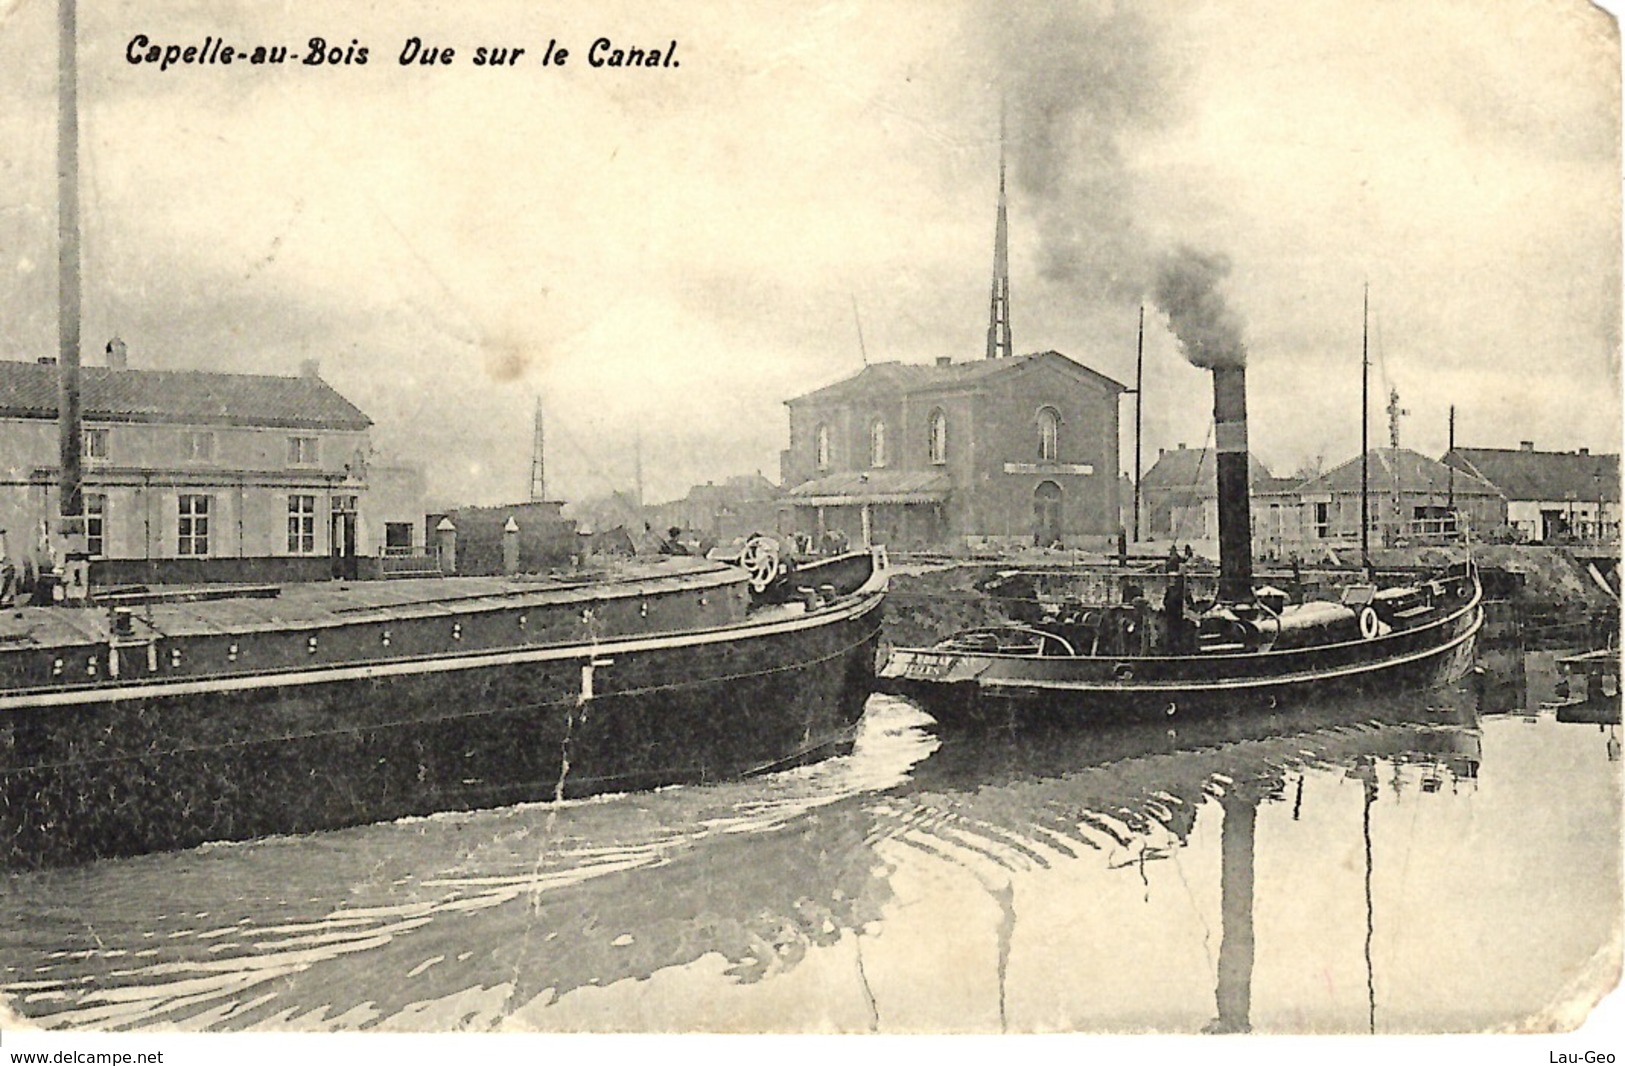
column 664, row 256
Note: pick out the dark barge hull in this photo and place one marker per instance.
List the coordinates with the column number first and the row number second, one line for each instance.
column 979, row 689
column 234, row 757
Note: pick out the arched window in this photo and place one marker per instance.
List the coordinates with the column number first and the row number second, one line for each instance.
column 1049, row 434
column 938, row 444
column 877, row 443
column 821, row 447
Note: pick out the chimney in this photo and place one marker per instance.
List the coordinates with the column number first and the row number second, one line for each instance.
column 310, row 368
column 1235, row 520
column 944, row 360
column 1585, row 451
column 47, row 360
column 1181, row 445
column 1527, row 445
column 118, row 355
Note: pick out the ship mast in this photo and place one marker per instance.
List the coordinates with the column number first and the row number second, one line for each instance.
column 1365, row 423
column 70, row 541
column 1394, row 413
column 1139, row 403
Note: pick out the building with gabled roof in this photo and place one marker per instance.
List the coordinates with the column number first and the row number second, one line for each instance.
column 1179, row 495
column 193, row 475
column 1002, row 451
column 188, row 397
column 1408, row 496
column 1552, row 497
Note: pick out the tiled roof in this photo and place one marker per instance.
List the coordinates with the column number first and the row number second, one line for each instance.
column 873, row 486
column 1542, row 476
column 1194, row 469
column 29, row 390
column 891, row 378
column 1417, row 474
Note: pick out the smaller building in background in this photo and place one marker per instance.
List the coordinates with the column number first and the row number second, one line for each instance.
column 509, row 538
column 1551, row 497
column 721, row 512
column 1179, row 495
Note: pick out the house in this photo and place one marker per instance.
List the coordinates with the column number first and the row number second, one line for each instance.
column 1179, row 495
column 1179, row 501
column 1551, row 496
column 203, row 476
column 1408, row 497
column 1005, row 451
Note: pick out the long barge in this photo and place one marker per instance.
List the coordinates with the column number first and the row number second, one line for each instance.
column 170, row 724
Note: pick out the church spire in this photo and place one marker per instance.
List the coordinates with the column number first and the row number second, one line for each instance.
column 998, row 324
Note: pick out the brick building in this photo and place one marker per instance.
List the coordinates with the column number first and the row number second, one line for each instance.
column 1014, row 450
column 203, row 476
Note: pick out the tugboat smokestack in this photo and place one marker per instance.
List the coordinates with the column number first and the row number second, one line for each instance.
column 1235, row 520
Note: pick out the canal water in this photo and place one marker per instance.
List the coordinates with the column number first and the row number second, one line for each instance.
column 1446, row 861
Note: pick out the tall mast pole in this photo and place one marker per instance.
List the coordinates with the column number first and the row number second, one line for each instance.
column 1139, row 404
column 70, row 491
column 999, row 345
column 1365, row 423
column 538, row 458
column 1450, row 492
column 637, row 455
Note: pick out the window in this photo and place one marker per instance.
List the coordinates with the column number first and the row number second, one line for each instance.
column 197, row 446
column 1049, row 434
column 398, row 538
column 301, row 525
column 302, row 451
column 95, row 444
column 194, row 525
column 821, row 447
column 938, row 446
column 95, row 524
column 877, row 443
column 1323, row 520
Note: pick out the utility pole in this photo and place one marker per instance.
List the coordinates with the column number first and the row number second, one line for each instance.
column 71, row 546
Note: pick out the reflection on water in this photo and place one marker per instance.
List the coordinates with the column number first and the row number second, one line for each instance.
column 1399, row 866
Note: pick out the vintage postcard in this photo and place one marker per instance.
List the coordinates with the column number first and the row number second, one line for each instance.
column 861, row 517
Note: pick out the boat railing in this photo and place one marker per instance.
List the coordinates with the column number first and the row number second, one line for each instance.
column 409, row 562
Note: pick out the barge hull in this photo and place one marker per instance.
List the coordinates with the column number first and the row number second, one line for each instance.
column 124, row 776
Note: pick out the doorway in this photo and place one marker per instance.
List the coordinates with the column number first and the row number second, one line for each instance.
column 1047, row 514
column 345, row 565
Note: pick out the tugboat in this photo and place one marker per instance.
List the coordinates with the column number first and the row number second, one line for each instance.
column 1247, row 647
